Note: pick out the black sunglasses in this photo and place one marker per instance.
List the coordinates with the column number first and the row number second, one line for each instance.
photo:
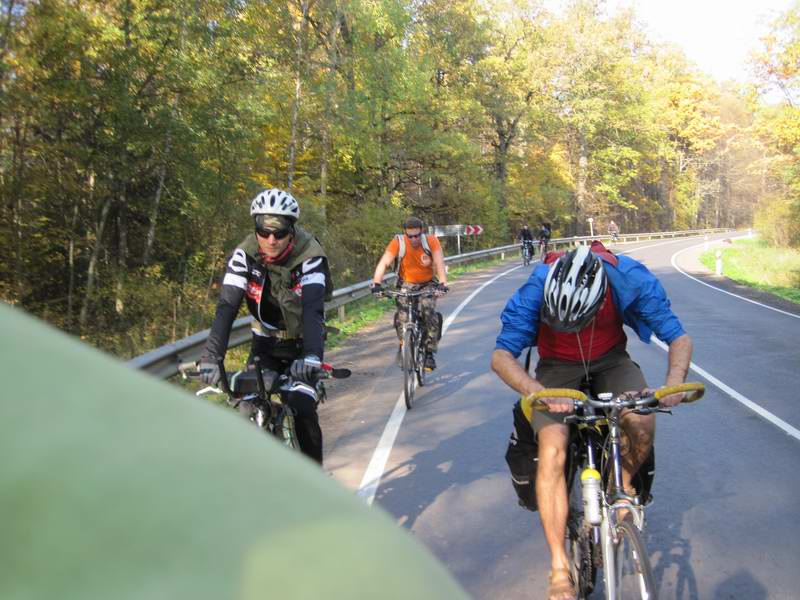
column 411, row 237
column 278, row 233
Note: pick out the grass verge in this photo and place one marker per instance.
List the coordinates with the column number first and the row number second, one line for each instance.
column 762, row 267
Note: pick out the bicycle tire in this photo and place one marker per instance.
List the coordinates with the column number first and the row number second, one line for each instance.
column 285, row 431
column 580, row 550
column 419, row 365
column 634, row 575
column 409, row 368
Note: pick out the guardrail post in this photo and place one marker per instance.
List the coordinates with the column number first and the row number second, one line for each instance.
column 502, row 256
column 341, row 312
column 719, row 262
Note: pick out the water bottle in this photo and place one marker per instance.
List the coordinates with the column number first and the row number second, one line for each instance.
column 590, row 482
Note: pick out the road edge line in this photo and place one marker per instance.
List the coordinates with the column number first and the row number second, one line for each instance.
column 760, row 411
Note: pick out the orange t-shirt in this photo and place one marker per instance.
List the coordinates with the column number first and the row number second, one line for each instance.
column 416, row 266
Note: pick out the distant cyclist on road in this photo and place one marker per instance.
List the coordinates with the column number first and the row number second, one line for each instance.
column 613, row 230
column 420, row 257
column 526, row 238
column 545, row 231
column 282, row 272
column 573, row 309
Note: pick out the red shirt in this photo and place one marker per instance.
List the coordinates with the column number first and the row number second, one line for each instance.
column 607, row 334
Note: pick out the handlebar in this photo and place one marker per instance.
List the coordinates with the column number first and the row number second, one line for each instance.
column 190, row 370
column 427, row 293
column 692, row 392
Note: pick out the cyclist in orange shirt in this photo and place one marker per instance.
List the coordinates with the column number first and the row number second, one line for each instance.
column 420, row 256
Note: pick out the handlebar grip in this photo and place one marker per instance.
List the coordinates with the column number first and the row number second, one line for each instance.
column 534, row 401
column 558, row 393
column 697, row 390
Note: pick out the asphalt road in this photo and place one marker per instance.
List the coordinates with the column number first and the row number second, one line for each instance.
column 724, row 521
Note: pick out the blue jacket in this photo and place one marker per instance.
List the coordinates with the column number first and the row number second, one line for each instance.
column 637, row 293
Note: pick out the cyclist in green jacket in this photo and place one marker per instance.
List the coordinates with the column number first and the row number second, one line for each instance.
column 282, row 272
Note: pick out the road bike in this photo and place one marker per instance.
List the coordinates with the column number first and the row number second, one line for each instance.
column 606, row 527
column 264, row 391
column 527, row 252
column 414, row 338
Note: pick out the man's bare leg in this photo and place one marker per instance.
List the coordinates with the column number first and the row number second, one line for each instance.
column 551, row 496
column 637, row 439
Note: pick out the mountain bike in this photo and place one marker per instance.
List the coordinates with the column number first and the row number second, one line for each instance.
column 605, row 528
column 414, row 339
column 263, row 389
column 527, row 252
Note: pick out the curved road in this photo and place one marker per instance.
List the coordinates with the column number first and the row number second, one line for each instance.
column 723, row 524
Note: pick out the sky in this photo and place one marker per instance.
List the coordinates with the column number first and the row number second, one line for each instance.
column 718, row 35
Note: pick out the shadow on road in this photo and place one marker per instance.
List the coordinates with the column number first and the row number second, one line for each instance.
column 416, row 483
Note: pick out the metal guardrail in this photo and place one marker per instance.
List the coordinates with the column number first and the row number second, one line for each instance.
column 163, row 362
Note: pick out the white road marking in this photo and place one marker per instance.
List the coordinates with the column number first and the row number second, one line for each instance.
column 377, row 464
column 762, row 412
column 682, row 272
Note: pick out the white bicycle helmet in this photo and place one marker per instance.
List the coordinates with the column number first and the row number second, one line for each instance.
column 574, row 290
column 275, row 202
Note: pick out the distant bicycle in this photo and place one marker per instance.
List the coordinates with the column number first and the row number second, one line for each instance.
column 527, row 252
column 263, row 390
column 605, row 523
column 543, row 245
column 413, row 363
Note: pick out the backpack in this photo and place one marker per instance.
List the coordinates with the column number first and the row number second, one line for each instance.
column 401, row 251
column 401, row 239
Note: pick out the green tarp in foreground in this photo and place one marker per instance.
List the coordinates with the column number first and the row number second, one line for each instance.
column 114, row 485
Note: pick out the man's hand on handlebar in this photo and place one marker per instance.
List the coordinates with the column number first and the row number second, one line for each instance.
column 306, row 369
column 554, row 404
column 441, row 288
column 376, row 289
column 209, row 371
column 559, row 405
column 667, row 401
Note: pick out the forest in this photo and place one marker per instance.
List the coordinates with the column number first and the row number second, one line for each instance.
column 135, row 133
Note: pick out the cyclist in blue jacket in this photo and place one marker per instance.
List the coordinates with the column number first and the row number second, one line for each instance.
column 573, row 309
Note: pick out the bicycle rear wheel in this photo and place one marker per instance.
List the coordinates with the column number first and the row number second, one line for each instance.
column 633, row 573
column 409, row 367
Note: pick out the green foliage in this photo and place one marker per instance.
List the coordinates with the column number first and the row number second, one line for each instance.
column 133, row 135
column 760, row 265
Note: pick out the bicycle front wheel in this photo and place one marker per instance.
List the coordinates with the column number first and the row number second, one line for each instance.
column 409, row 367
column 580, row 549
column 632, row 570
column 285, row 430
column 419, row 363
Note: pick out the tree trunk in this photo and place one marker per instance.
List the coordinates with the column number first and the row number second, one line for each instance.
column 90, row 273
column 298, row 79
column 71, row 263
column 122, row 253
column 580, row 191
column 17, row 160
